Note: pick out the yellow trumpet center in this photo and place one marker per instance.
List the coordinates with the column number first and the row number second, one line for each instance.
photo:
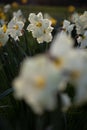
column 54, row 21
column 40, row 82
column 16, row 27
column 4, row 28
column 38, row 24
column 75, row 74
column 58, row 62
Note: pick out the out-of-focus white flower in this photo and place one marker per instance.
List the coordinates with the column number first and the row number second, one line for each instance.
column 19, row 16
column 15, row 28
column 67, row 27
column 74, row 17
column 3, row 36
column 76, row 66
column 37, row 83
column 81, row 23
column 83, row 19
column 75, row 63
column 40, row 28
column 82, row 40
column 7, row 8
column 61, row 45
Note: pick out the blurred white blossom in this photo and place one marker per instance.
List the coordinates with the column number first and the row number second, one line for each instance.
column 7, row 8
column 37, row 83
column 19, row 16
column 81, row 22
column 61, row 45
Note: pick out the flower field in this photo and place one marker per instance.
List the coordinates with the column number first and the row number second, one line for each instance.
column 43, row 68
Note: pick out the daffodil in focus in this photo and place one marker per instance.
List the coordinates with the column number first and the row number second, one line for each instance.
column 37, row 83
column 19, row 16
column 15, row 28
column 3, row 36
column 41, row 28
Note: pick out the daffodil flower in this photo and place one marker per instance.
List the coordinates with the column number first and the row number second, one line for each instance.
column 19, row 16
column 76, row 66
column 81, row 22
column 15, row 28
column 61, row 45
column 40, row 28
column 37, row 83
column 67, row 27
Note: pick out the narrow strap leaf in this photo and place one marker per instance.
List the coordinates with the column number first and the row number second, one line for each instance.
column 5, row 93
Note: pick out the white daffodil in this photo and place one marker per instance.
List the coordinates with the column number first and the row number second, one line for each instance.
column 19, row 16
column 60, row 47
column 37, row 83
column 81, row 23
column 75, row 63
column 82, row 40
column 3, row 36
column 61, row 44
column 76, row 67
column 15, row 28
column 67, row 27
column 40, row 28
column 74, row 17
column 7, row 8
column 83, row 19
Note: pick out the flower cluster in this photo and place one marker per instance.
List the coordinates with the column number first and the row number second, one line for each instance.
column 43, row 78
column 39, row 26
